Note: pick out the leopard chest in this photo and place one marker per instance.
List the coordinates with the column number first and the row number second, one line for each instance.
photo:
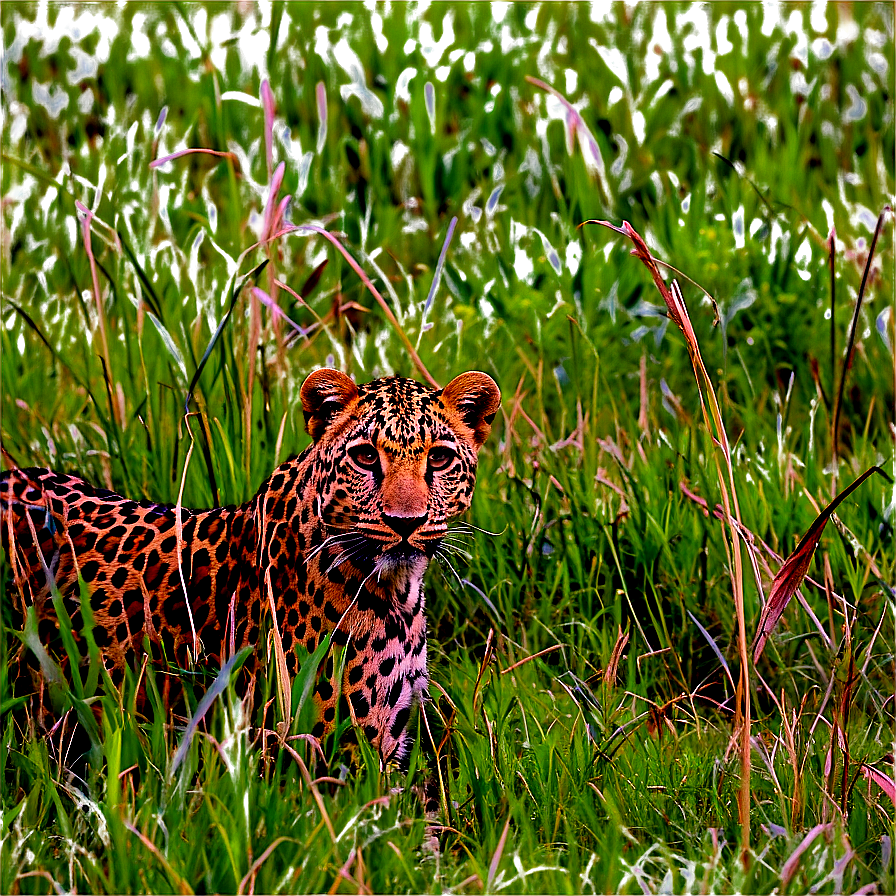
column 386, row 677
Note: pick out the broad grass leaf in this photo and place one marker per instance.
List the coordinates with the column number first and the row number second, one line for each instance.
column 217, row 688
column 304, row 682
column 885, row 782
column 313, row 279
column 49, row 668
column 793, row 570
column 61, row 695
column 790, row 867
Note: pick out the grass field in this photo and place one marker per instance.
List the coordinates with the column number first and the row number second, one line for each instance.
column 585, row 667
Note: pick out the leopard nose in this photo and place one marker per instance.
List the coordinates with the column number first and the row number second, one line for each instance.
column 404, row 526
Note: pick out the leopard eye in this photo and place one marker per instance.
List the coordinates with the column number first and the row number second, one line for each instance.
column 365, row 456
column 440, row 458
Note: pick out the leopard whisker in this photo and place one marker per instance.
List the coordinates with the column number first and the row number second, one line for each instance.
column 467, row 525
column 457, row 547
column 353, row 553
column 459, row 557
column 443, row 557
column 330, row 540
column 349, row 554
column 350, row 527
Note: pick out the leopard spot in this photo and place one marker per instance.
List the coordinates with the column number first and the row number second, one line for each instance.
column 360, row 705
column 400, row 722
column 394, row 693
column 331, row 612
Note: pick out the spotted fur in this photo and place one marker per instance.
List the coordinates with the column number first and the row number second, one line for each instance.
column 337, row 540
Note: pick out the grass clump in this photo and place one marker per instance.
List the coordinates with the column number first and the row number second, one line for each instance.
column 158, row 322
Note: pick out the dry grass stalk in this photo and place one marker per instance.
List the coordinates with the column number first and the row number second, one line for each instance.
column 284, row 684
column 618, row 650
column 157, row 163
column 253, row 871
column 712, row 417
column 86, row 216
column 183, row 887
column 390, row 316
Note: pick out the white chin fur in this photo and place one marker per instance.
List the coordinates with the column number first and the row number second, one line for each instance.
column 395, row 567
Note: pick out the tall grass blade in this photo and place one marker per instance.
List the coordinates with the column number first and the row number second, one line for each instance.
column 713, row 646
column 437, row 276
column 219, row 685
column 234, row 295
column 850, row 343
column 149, row 292
column 832, row 245
column 56, row 356
column 303, row 683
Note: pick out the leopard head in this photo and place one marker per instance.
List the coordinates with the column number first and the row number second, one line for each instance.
column 396, row 460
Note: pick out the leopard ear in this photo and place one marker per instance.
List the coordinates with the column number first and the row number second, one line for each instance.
column 475, row 398
column 325, row 394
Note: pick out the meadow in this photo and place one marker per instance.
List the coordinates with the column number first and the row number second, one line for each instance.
column 161, row 308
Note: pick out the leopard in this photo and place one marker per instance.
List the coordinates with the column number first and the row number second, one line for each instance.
column 335, row 543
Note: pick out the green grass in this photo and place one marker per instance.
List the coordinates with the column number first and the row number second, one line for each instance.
column 558, row 778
